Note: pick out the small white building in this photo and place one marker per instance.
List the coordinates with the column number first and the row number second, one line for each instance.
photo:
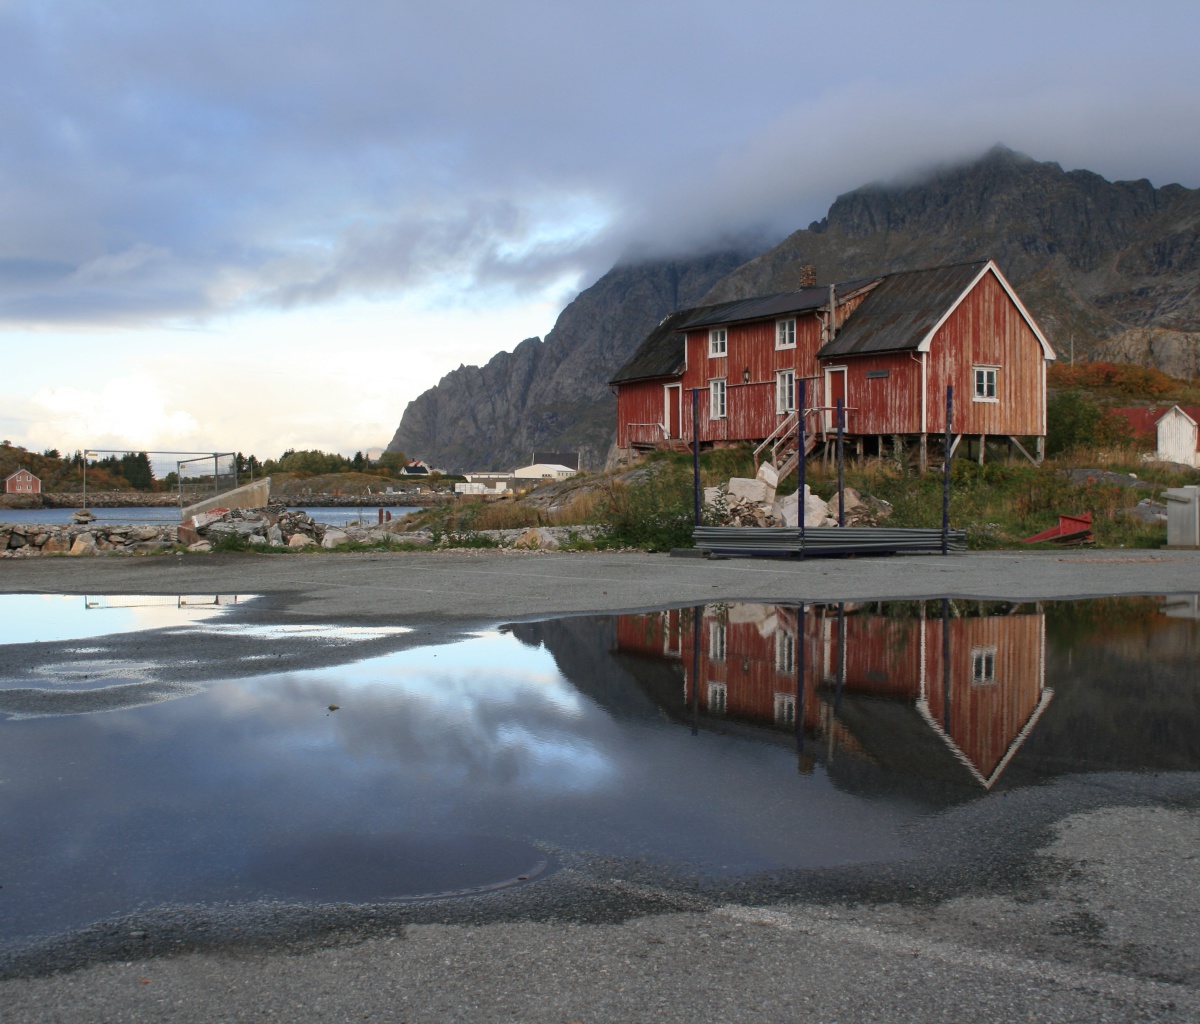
column 1178, row 437
column 542, row 471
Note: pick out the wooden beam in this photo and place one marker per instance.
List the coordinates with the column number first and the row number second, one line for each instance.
column 1021, row 449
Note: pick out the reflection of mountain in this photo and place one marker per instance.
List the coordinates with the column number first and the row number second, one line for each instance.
column 930, row 693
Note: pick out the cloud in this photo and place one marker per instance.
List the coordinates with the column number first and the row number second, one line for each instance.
column 123, row 413
column 188, row 159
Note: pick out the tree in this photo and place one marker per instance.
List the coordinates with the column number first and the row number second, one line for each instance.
column 1073, row 421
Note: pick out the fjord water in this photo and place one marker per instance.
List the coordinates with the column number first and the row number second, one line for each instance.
column 221, row 758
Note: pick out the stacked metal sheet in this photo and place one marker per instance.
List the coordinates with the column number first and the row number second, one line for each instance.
column 822, row 540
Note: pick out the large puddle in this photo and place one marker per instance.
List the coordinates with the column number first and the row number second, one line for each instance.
column 182, row 755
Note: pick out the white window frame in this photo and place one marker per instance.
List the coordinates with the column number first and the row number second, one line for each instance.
column 785, row 394
column 984, row 376
column 716, row 640
column 785, row 708
column 983, row 665
column 785, row 333
column 716, row 698
column 717, row 395
column 785, row 652
column 718, row 343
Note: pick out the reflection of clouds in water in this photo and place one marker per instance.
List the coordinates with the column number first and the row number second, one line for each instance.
column 460, row 713
column 40, row 618
column 37, row 703
column 317, row 631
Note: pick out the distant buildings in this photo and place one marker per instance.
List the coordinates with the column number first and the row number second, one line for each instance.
column 1174, row 431
column 22, row 482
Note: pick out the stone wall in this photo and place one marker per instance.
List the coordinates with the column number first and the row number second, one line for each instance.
column 26, row 540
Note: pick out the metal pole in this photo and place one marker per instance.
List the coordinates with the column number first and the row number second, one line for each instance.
column 841, row 424
column 946, row 471
column 802, row 441
column 85, row 479
column 696, row 455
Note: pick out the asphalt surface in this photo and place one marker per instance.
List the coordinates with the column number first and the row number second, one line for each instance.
column 1078, row 900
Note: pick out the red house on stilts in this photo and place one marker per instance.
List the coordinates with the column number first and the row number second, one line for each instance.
column 883, row 349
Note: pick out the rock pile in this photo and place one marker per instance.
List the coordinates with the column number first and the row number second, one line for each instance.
column 27, row 540
column 746, row 502
column 273, row 526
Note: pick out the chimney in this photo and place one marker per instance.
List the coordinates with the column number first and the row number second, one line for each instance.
column 808, row 276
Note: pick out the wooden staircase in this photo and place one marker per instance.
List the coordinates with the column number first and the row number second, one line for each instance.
column 782, row 447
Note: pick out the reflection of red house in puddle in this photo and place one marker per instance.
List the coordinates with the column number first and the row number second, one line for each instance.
column 920, row 693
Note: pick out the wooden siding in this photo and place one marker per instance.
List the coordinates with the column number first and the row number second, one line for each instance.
column 987, row 329
column 883, row 405
column 640, row 406
column 1176, row 438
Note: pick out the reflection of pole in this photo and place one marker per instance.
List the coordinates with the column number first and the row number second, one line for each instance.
column 697, row 613
column 841, row 645
column 85, row 479
column 801, row 442
column 800, row 679
column 946, row 665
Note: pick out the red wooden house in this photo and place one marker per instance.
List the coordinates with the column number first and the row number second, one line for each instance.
column 22, row 482
column 884, row 349
column 868, row 684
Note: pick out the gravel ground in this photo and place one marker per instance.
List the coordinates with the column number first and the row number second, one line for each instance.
column 1077, row 900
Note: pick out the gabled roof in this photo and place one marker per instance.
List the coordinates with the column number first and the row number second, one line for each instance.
column 18, row 471
column 906, row 309
column 661, row 354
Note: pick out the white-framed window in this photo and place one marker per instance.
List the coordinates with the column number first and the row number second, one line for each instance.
column 718, row 342
column 983, row 665
column 716, row 641
column 785, row 709
column 785, row 652
column 985, row 383
column 716, row 399
column 785, row 391
column 785, row 333
column 716, row 698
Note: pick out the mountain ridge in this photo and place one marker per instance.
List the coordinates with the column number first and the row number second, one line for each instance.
column 1112, row 268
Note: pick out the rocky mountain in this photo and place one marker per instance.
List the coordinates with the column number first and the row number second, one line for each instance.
column 1113, row 266
column 553, row 395
column 1110, row 267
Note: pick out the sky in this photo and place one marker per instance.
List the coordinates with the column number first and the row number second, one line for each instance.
column 256, row 226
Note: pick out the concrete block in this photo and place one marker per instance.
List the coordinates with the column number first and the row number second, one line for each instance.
column 768, row 475
column 751, row 490
column 252, row 495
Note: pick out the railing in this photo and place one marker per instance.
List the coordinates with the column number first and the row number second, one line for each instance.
column 646, row 433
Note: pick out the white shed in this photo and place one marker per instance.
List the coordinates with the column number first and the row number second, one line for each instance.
column 1177, row 437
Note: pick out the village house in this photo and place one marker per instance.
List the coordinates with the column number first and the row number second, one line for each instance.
column 877, row 352
column 1173, row 431
column 22, row 482
column 949, row 698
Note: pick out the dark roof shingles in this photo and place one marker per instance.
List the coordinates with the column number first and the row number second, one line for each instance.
column 902, row 310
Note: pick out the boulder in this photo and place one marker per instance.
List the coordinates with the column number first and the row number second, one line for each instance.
column 751, row 490
column 536, row 537
column 85, row 544
column 200, row 547
column 55, row 545
column 275, row 536
column 256, row 538
column 768, row 475
column 334, row 538
column 712, row 495
column 816, row 512
column 301, row 540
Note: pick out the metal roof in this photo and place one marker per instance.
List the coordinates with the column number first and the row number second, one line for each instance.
column 769, row 306
column 902, row 310
column 661, row 354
